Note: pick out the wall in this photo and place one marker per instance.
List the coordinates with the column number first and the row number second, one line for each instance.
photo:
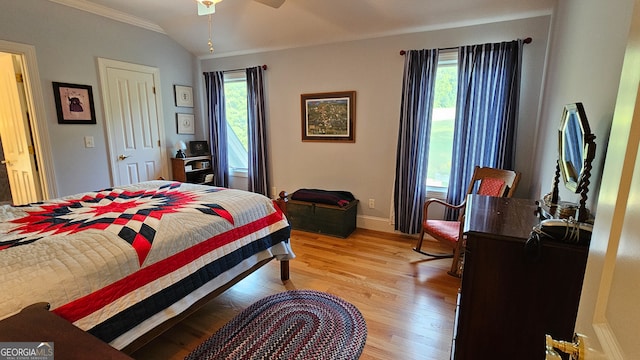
column 584, row 66
column 373, row 68
column 586, row 56
column 68, row 43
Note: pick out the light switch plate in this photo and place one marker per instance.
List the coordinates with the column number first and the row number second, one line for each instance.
column 88, row 142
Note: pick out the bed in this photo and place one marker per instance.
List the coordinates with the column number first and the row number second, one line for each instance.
column 122, row 263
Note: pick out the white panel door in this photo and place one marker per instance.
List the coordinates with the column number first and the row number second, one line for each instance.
column 608, row 315
column 16, row 138
column 134, row 122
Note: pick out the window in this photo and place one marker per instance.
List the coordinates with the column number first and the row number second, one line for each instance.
column 442, row 123
column 235, row 92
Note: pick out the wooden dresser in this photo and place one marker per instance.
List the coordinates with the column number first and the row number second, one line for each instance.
column 509, row 299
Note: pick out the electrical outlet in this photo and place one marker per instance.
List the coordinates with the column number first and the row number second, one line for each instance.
column 372, row 203
column 274, row 192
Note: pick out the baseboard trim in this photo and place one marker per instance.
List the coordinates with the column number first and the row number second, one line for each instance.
column 375, row 223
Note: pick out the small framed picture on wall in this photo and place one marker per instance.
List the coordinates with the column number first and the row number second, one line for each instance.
column 74, row 103
column 184, row 95
column 186, row 123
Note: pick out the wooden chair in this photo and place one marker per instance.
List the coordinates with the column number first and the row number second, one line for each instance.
column 485, row 181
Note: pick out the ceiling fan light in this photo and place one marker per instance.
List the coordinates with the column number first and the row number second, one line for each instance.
column 207, row 7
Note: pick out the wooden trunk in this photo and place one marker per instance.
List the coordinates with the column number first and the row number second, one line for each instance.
column 324, row 219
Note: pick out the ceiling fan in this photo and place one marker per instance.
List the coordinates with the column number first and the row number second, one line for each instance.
column 206, row 7
column 273, row 3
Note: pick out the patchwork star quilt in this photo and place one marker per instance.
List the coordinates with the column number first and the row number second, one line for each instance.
column 120, row 259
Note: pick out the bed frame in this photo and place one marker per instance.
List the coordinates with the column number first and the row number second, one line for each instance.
column 155, row 332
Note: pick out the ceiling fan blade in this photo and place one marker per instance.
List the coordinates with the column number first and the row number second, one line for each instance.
column 273, row 3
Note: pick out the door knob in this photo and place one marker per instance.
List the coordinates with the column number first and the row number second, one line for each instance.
column 575, row 349
column 122, row 157
column 5, row 162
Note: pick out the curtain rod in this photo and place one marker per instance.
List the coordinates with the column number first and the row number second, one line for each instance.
column 526, row 41
column 264, row 67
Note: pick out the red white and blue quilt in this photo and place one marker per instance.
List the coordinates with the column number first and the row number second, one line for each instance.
column 119, row 261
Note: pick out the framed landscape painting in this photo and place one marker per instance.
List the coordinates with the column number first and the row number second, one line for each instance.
column 329, row 116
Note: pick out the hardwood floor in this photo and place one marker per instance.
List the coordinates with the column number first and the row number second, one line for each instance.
column 407, row 300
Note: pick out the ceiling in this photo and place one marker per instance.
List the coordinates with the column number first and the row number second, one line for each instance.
column 247, row 26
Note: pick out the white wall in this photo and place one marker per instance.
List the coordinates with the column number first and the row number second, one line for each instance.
column 68, row 43
column 585, row 60
column 373, row 68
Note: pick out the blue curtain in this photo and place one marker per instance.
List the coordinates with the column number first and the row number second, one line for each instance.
column 486, row 112
column 258, row 173
column 413, row 138
column 216, row 114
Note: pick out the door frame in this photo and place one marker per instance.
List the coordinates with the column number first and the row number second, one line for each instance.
column 37, row 112
column 103, row 65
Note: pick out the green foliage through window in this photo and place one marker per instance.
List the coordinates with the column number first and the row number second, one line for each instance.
column 235, row 92
column 442, row 125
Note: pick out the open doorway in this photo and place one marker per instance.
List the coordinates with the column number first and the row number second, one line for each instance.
column 18, row 153
column 5, row 188
column 26, row 154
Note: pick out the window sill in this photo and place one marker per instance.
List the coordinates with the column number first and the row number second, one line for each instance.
column 241, row 173
column 438, row 193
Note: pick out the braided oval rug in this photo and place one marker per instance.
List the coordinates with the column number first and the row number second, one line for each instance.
column 296, row 324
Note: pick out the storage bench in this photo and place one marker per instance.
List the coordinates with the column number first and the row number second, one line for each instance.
column 333, row 220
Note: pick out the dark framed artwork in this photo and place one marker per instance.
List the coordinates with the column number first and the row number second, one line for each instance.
column 74, row 103
column 329, row 117
column 197, row 148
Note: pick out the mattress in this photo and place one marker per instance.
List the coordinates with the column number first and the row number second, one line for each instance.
column 118, row 262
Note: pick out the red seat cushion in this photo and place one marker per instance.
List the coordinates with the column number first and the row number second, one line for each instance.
column 448, row 230
column 491, row 187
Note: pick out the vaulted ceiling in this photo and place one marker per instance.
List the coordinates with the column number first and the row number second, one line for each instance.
column 246, row 26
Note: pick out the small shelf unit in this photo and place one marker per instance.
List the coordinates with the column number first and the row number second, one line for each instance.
column 192, row 169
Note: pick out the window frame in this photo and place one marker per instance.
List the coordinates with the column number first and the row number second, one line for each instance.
column 445, row 58
column 236, row 76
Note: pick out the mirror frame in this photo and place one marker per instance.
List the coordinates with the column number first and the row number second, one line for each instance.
column 581, row 185
column 573, row 180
